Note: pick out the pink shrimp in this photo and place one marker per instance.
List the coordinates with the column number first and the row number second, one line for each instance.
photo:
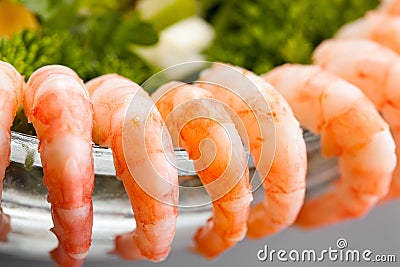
column 271, row 127
column 351, row 128
column 11, row 83
column 56, row 102
column 144, row 160
column 376, row 26
column 221, row 164
column 391, row 7
column 375, row 69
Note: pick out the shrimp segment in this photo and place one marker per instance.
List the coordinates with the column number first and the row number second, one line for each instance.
column 271, row 127
column 56, row 102
column 11, row 83
column 375, row 26
column 351, row 128
column 144, row 161
column 375, row 69
column 193, row 116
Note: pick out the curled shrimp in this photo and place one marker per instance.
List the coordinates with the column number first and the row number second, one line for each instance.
column 375, row 69
column 11, row 83
column 144, row 160
column 193, row 116
column 376, row 26
column 271, row 127
column 351, row 128
column 56, row 102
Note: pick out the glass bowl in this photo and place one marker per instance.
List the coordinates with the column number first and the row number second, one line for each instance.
column 24, row 199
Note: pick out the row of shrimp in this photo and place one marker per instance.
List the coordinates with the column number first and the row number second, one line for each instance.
column 197, row 117
column 59, row 105
column 352, row 93
column 114, row 112
column 349, row 98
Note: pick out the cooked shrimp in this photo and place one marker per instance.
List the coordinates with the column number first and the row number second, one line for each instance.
column 376, row 26
column 11, row 83
column 56, row 102
column 391, row 7
column 351, row 128
column 271, row 128
column 127, row 121
column 221, row 164
column 375, row 69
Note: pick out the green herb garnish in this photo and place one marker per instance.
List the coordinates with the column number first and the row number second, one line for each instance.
column 88, row 36
column 259, row 35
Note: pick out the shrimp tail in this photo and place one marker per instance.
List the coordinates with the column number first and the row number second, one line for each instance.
column 126, row 247
column 70, row 227
column 145, row 242
column 212, row 239
column 135, row 245
column 139, row 245
column 61, row 258
column 209, row 240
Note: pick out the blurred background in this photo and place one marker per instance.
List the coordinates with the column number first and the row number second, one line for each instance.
column 138, row 38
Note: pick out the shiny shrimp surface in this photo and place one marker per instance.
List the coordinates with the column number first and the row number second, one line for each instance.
column 275, row 140
column 11, row 83
column 127, row 122
column 56, row 102
column 375, row 69
column 206, row 131
column 376, row 26
column 351, row 128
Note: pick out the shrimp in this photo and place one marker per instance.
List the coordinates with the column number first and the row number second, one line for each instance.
column 56, row 102
column 221, row 164
column 11, row 83
column 144, row 160
column 391, row 7
column 376, row 26
column 351, row 128
column 375, row 69
column 271, row 127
